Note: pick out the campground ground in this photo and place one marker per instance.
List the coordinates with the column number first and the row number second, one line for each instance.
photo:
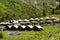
column 49, row 33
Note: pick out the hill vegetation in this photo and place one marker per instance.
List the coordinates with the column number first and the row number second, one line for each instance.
column 11, row 9
column 17, row 9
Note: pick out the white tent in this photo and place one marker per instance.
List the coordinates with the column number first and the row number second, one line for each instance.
column 42, row 22
column 37, row 19
column 32, row 19
column 38, row 26
column 34, row 22
column 5, row 23
column 47, row 17
column 15, row 21
column 23, row 26
column 20, row 20
column 41, row 18
column 26, row 20
column 53, row 18
column 9, row 26
column 22, row 23
column 16, row 26
column 31, row 26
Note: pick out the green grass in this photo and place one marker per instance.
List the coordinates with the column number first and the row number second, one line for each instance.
column 49, row 33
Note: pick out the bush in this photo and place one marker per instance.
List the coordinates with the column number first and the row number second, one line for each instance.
column 1, row 35
column 57, row 12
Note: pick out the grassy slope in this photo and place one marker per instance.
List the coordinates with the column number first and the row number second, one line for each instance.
column 49, row 33
column 14, row 9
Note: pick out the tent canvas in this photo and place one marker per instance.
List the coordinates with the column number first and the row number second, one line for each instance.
column 2, row 27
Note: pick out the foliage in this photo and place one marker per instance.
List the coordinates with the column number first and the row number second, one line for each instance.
column 57, row 12
column 11, row 9
column 16, row 9
column 1, row 35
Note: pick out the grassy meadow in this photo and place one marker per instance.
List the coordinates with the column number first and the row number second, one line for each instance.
column 49, row 33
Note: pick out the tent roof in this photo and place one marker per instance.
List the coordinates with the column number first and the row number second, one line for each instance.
column 37, row 19
column 26, row 20
column 42, row 18
column 5, row 23
column 31, row 18
column 53, row 17
column 34, row 22
column 20, row 20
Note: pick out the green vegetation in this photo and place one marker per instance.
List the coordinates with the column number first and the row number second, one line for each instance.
column 13, row 9
column 10, row 9
column 1, row 35
column 16, row 9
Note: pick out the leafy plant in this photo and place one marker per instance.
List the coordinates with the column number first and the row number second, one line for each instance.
column 1, row 35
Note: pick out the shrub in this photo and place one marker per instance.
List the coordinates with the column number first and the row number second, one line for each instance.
column 1, row 35
column 57, row 11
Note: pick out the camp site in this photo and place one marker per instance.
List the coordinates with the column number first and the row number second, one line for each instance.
column 29, row 19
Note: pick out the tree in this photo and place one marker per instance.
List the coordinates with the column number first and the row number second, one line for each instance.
column 44, row 14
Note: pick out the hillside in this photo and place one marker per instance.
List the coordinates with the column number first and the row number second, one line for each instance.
column 16, row 9
column 39, row 3
column 11, row 9
column 50, row 6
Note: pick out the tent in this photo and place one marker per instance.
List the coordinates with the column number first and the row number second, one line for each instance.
column 37, row 28
column 36, row 19
column 41, row 19
column 31, row 19
column 47, row 18
column 20, row 20
column 2, row 28
column 26, row 20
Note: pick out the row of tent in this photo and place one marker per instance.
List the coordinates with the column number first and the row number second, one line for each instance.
column 24, row 27
column 34, row 19
column 31, row 24
column 40, row 21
